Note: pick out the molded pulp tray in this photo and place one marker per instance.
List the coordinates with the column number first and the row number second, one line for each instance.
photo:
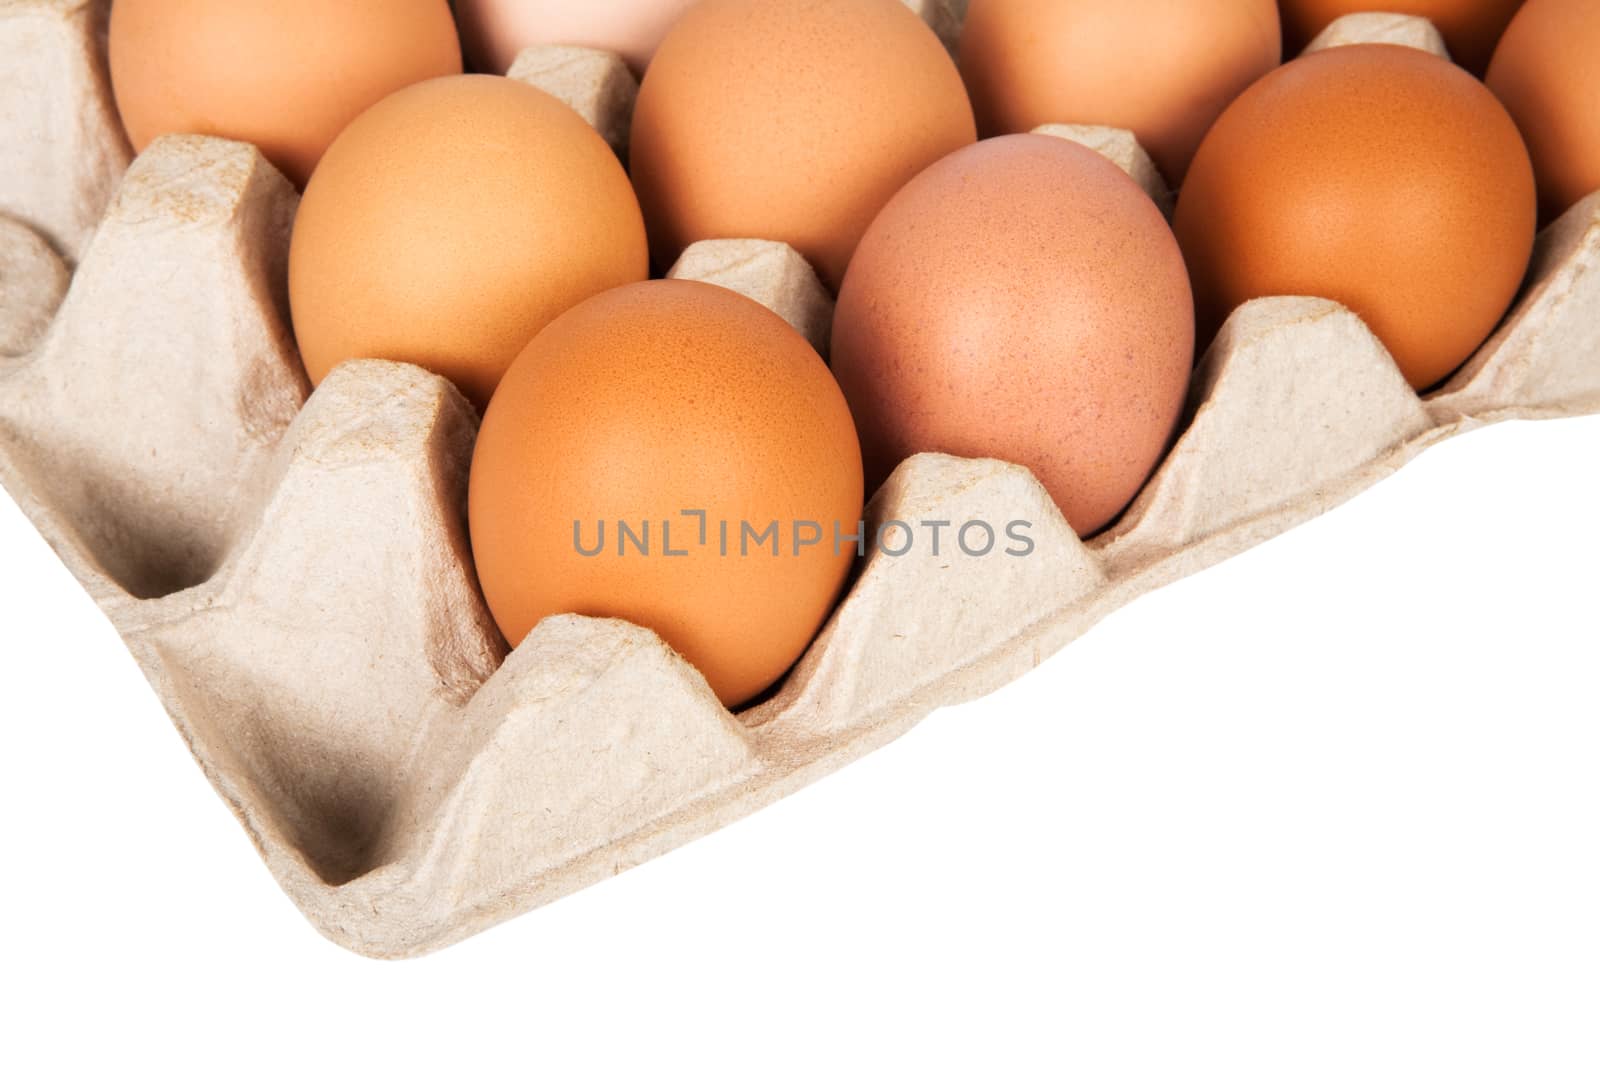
column 293, row 574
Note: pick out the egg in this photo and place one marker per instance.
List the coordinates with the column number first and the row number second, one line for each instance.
column 1022, row 299
column 790, row 121
column 493, row 32
column 285, row 75
column 673, row 454
column 453, row 221
column 1547, row 73
column 1378, row 176
column 1164, row 69
column 1470, row 27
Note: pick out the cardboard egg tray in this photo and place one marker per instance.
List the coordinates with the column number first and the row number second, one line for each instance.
column 292, row 570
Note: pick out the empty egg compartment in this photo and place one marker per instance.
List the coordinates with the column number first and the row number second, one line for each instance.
column 293, row 574
column 140, row 424
column 64, row 150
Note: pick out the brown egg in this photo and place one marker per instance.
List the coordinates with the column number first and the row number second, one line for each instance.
column 1164, row 69
column 1470, row 27
column 663, row 453
column 790, row 121
column 450, row 223
column 1547, row 73
column 285, row 75
column 1378, row 176
column 1021, row 299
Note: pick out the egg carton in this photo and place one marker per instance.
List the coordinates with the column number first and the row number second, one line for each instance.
column 292, row 572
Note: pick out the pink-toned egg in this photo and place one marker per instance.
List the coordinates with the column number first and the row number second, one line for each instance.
column 494, row 31
column 1021, row 299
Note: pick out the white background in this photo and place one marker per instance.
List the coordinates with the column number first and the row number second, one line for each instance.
column 1335, row 801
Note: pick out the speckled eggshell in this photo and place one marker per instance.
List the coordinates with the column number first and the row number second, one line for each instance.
column 494, row 31
column 1379, row 176
column 636, row 406
column 285, row 75
column 1470, row 27
column 1021, row 299
column 1164, row 69
column 1547, row 73
column 452, row 222
column 793, row 122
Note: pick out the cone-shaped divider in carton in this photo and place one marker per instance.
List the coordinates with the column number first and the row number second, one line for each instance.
column 962, row 555
column 1122, row 148
column 1545, row 360
column 597, row 85
column 1294, row 395
column 768, row 272
column 34, row 284
column 1381, row 28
